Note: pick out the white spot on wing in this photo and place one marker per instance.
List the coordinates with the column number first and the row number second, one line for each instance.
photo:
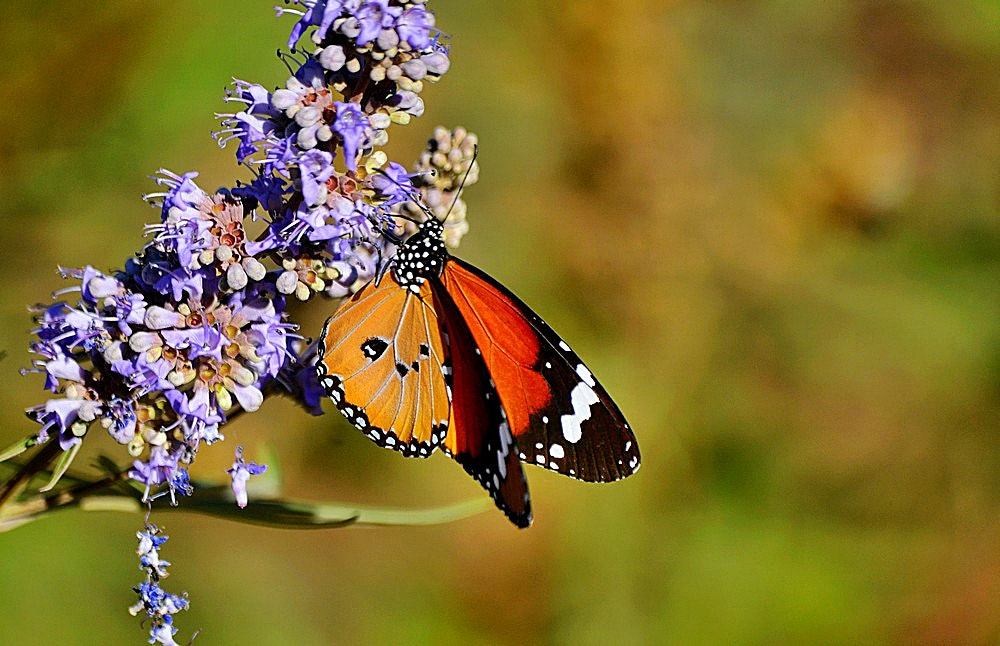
column 582, row 398
column 585, row 375
column 556, row 451
column 506, row 440
column 562, row 344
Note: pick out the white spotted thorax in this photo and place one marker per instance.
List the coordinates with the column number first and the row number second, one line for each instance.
column 422, row 256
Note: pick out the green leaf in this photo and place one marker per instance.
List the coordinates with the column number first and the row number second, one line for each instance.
column 219, row 501
column 297, row 514
column 65, row 460
column 18, row 447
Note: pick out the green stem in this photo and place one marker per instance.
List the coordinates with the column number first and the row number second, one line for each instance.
column 112, row 493
column 38, row 463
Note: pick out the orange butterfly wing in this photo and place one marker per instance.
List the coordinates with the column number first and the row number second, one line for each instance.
column 479, row 435
column 560, row 416
column 383, row 362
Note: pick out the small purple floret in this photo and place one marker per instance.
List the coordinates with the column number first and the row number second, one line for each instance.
column 241, row 472
column 350, row 124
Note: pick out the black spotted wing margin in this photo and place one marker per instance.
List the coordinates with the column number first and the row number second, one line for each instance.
column 382, row 361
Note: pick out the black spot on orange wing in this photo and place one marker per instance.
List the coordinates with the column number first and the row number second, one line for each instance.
column 374, row 348
column 562, row 418
column 479, row 435
column 367, row 353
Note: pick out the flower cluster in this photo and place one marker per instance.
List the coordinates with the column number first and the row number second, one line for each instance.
column 377, row 54
column 313, row 144
column 158, row 605
column 196, row 327
column 192, row 330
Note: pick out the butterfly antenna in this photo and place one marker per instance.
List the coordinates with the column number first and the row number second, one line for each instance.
column 383, row 263
column 383, row 266
column 392, row 237
column 387, row 234
column 458, row 193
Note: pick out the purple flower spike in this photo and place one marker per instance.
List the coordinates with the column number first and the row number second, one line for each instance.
column 158, row 605
column 196, row 328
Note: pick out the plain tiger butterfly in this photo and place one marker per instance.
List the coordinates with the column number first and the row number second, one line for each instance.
column 436, row 354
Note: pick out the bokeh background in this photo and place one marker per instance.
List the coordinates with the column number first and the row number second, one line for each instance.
column 770, row 226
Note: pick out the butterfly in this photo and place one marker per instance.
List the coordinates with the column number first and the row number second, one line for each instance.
column 434, row 354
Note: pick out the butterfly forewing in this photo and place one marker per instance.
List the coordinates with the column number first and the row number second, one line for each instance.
column 560, row 416
column 382, row 360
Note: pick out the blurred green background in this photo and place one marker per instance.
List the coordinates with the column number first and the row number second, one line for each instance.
column 771, row 227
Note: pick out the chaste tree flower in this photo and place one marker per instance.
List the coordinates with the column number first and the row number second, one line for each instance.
column 156, row 604
column 195, row 328
column 241, row 472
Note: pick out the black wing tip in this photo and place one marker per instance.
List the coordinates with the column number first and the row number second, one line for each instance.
column 521, row 520
column 522, row 516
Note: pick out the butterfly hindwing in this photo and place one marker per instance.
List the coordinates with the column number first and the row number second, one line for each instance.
column 560, row 416
column 479, row 435
column 383, row 362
